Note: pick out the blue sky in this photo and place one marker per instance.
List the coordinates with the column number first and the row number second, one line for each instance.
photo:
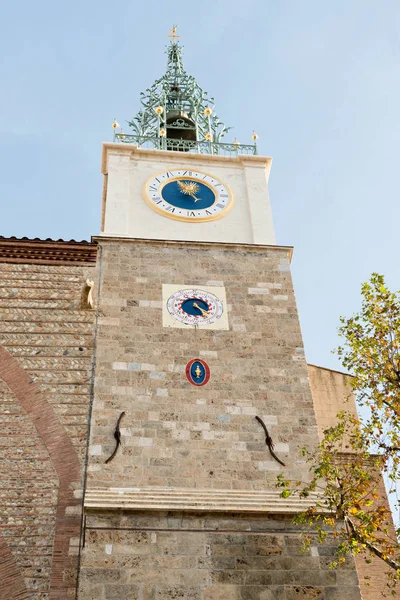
column 318, row 81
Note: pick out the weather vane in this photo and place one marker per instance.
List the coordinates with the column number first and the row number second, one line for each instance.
column 173, row 33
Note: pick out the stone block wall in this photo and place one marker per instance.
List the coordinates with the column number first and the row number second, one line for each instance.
column 178, row 436
column 175, row 434
column 213, row 557
column 46, row 344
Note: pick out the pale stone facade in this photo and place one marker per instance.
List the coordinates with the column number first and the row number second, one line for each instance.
column 127, row 168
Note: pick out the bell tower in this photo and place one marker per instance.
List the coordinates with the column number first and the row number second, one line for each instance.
column 177, row 133
column 199, row 365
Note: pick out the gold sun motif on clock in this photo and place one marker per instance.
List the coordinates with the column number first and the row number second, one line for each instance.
column 190, row 188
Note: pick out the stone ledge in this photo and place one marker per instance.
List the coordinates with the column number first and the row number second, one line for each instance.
column 135, row 152
column 109, row 238
column 198, row 500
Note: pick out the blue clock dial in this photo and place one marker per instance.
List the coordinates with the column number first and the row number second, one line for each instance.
column 189, row 196
column 196, row 307
column 188, row 193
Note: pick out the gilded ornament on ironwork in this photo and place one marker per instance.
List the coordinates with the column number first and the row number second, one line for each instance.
column 173, row 33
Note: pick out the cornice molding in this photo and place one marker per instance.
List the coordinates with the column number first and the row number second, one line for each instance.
column 195, row 500
column 288, row 250
column 47, row 252
column 172, row 156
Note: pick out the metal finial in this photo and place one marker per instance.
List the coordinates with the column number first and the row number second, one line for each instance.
column 173, row 33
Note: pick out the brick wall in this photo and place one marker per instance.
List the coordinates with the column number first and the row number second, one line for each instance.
column 331, row 394
column 45, row 364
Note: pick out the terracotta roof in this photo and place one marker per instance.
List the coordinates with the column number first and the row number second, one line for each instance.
column 27, row 239
column 46, row 252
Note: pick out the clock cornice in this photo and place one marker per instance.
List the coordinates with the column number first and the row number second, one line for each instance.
column 177, row 157
column 283, row 251
column 126, row 169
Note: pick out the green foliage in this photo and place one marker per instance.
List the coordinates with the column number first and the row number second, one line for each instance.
column 346, row 466
column 371, row 353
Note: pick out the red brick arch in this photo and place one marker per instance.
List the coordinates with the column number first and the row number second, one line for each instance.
column 66, row 464
column 12, row 582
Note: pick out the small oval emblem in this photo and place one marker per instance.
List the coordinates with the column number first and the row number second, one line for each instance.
column 197, row 372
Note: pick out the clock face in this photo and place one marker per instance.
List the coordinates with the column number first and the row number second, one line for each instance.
column 188, row 195
column 195, row 307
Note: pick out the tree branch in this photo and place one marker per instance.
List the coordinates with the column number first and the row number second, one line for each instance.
column 350, row 526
